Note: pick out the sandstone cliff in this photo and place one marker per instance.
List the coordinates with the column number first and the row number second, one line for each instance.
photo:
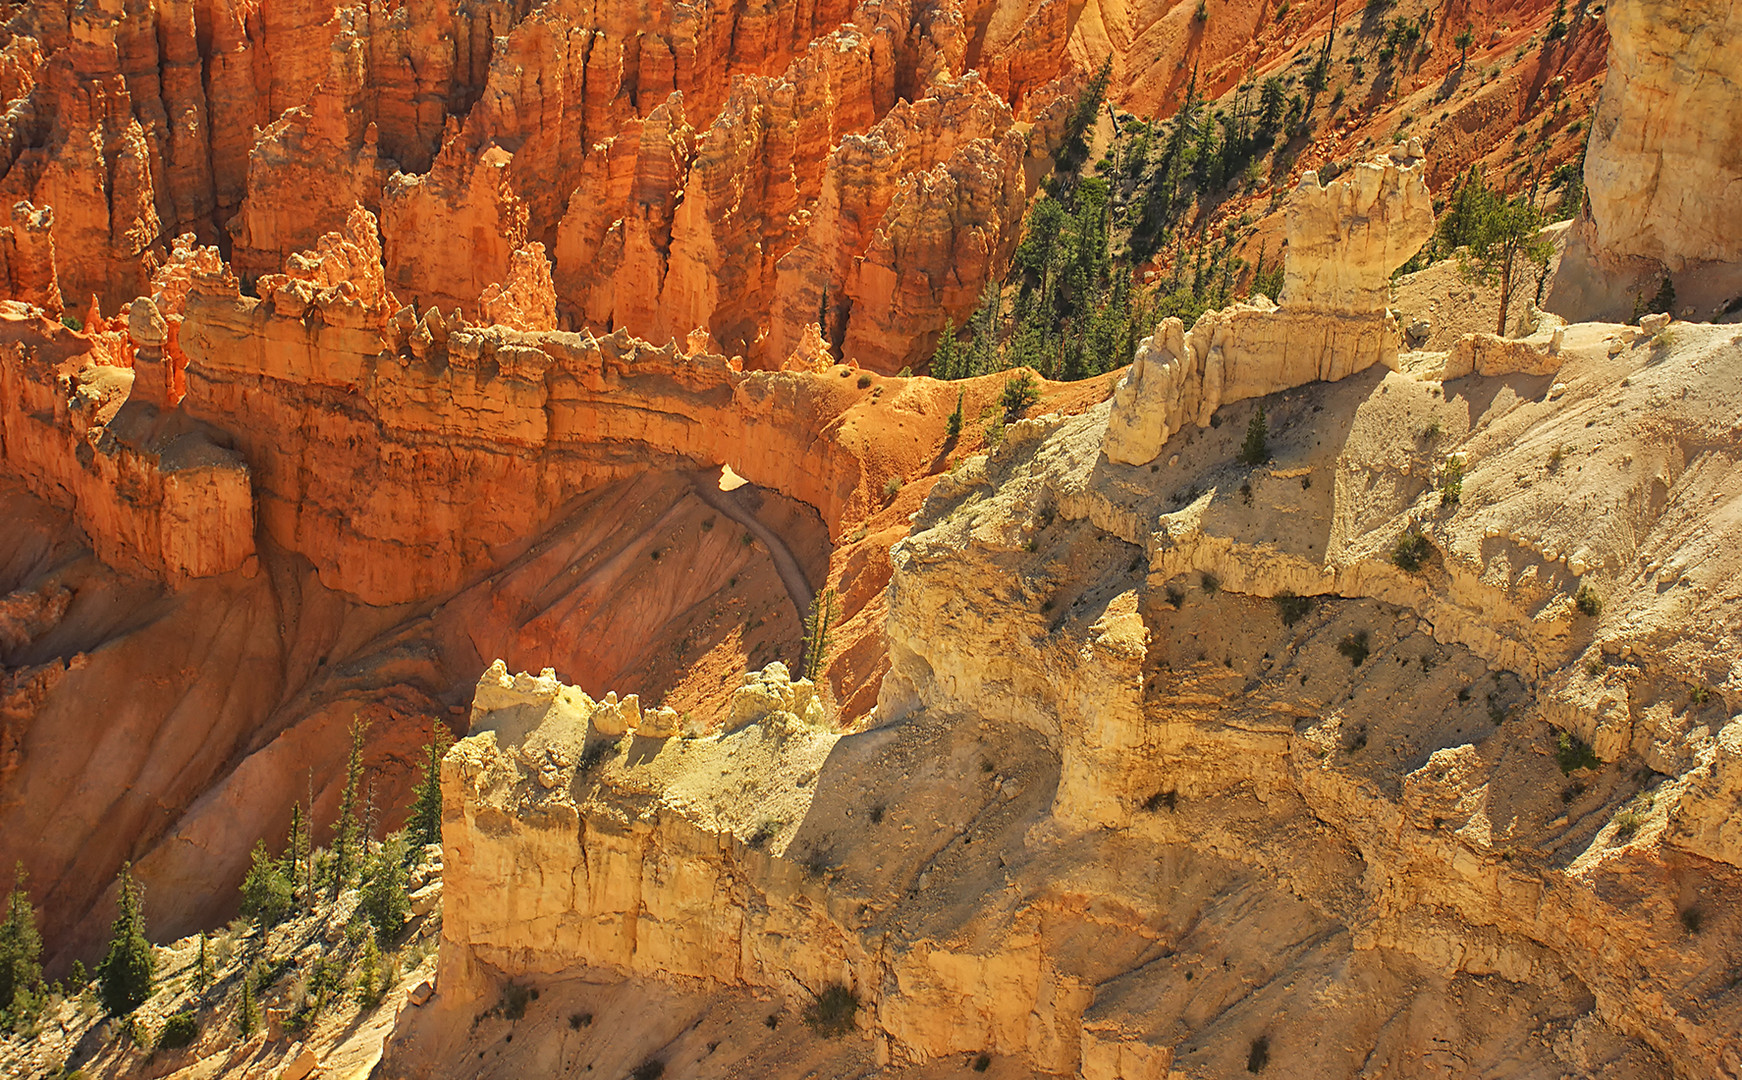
column 1196, row 766
column 1664, row 168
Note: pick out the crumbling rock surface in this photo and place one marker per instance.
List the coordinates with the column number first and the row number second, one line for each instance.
column 1345, row 240
column 1663, row 171
column 1199, row 722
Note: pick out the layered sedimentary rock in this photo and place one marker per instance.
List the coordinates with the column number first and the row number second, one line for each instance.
column 1194, row 768
column 484, row 429
column 668, row 160
column 153, row 491
column 1345, row 240
column 1664, row 167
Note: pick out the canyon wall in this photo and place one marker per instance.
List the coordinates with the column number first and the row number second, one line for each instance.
column 1196, row 764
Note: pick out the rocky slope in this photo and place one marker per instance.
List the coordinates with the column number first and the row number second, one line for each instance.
column 1196, row 767
column 1409, row 749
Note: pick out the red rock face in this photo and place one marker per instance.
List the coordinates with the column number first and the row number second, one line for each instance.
column 669, row 158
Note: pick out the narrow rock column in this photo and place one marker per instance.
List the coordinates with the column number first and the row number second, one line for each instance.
column 151, row 368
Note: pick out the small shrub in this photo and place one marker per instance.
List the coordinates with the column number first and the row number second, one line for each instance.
column 864, row 379
column 1572, row 791
column 1431, row 431
column 994, row 431
column 1699, row 694
column 1211, row 583
column 772, row 1021
column 1255, row 450
column 1176, row 596
column 579, row 1020
column 831, row 1013
column 891, row 487
column 877, row 813
column 1452, row 481
column 71, row 322
column 1358, row 743
column 1203, row 12
column 1161, row 800
column 1355, row 647
column 1292, row 608
column 1411, row 551
column 1627, row 824
column 983, row 1062
column 1573, row 753
column 766, row 830
column 651, row 1069
column 1020, row 392
column 1258, row 1055
column 1588, row 602
column 1692, row 919
column 179, row 1030
column 514, row 1000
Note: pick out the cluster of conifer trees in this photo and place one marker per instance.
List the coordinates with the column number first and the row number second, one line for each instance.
column 300, row 877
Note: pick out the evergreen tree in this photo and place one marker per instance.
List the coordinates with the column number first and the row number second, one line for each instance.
column 1271, row 102
column 369, row 987
column 20, row 944
column 953, row 426
column 983, row 354
column 346, row 829
column 266, row 892
column 424, row 823
column 818, row 627
column 1466, row 38
column 247, row 1012
column 296, row 854
column 1255, row 451
column 124, row 977
column 382, row 895
column 202, row 967
column 946, row 361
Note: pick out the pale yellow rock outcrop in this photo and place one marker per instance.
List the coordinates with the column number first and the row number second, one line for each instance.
column 1664, row 168
column 1345, row 239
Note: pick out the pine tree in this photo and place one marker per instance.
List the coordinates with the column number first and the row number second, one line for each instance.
column 20, row 944
column 983, row 351
column 369, row 988
column 266, row 893
column 946, row 361
column 125, row 975
column 953, row 426
column 1254, row 451
column 203, row 967
column 346, row 829
column 382, row 895
column 247, row 1012
column 423, row 824
column 818, row 625
column 296, row 852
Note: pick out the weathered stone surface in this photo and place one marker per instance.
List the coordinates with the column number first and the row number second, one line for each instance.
column 1664, row 169
column 27, row 257
column 1345, row 239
